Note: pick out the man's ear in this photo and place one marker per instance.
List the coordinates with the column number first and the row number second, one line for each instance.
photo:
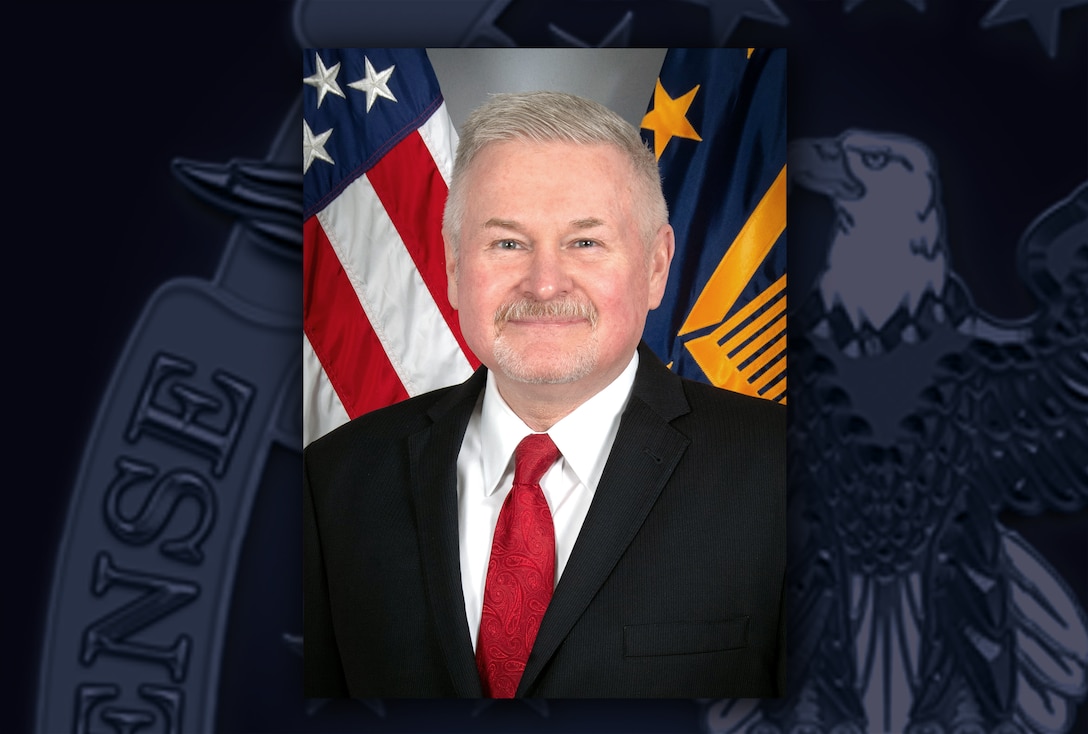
column 661, row 252
column 451, row 271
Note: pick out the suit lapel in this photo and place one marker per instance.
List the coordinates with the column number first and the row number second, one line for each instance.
column 644, row 455
column 433, row 460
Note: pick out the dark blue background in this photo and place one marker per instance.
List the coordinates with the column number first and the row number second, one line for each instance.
column 110, row 94
column 101, row 98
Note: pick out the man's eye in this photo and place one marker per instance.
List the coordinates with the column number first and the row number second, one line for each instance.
column 507, row 244
column 585, row 243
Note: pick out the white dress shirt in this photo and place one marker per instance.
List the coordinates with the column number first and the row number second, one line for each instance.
column 485, row 474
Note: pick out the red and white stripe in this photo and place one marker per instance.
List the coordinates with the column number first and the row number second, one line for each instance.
column 378, row 326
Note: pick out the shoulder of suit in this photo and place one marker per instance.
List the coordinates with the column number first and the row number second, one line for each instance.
column 706, row 399
column 380, row 426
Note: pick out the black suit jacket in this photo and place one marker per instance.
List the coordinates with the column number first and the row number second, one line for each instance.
column 675, row 586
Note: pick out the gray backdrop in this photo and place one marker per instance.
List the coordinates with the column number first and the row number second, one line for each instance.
column 619, row 78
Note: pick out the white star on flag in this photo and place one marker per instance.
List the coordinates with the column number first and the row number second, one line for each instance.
column 375, row 84
column 313, row 146
column 324, row 80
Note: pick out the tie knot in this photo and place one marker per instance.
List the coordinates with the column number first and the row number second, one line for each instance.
column 532, row 457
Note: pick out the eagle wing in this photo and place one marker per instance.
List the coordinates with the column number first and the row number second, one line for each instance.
column 1016, row 402
column 1024, row 402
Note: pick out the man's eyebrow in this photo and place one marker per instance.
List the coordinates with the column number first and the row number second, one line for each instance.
column 495, row 222
column 584, row 223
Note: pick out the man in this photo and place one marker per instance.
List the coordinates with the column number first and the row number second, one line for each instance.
column 655, row 535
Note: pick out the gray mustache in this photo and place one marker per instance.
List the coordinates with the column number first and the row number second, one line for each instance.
column 525, row 309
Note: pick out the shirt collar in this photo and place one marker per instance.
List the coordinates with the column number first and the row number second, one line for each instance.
column 584, row 437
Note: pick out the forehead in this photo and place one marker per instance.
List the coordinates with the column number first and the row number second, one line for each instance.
column 518, row 178
column 549, row 184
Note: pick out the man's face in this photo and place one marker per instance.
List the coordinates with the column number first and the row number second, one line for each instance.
column 553, row 279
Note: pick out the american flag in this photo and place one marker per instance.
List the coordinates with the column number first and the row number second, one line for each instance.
column 378, row 148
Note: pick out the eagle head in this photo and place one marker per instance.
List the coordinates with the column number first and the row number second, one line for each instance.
column 887, row 248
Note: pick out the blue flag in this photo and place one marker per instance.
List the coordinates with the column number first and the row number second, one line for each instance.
column 717, row 124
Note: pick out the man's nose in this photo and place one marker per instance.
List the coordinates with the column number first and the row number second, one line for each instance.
column 547, row 276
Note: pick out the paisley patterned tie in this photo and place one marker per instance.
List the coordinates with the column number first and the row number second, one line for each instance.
column 520, row 574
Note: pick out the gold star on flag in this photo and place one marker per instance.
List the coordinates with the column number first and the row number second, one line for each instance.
column 668, row 119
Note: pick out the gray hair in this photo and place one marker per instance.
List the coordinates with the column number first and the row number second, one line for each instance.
column 554, row 117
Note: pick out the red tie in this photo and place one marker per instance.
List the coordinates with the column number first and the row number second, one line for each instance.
column 521, row 573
